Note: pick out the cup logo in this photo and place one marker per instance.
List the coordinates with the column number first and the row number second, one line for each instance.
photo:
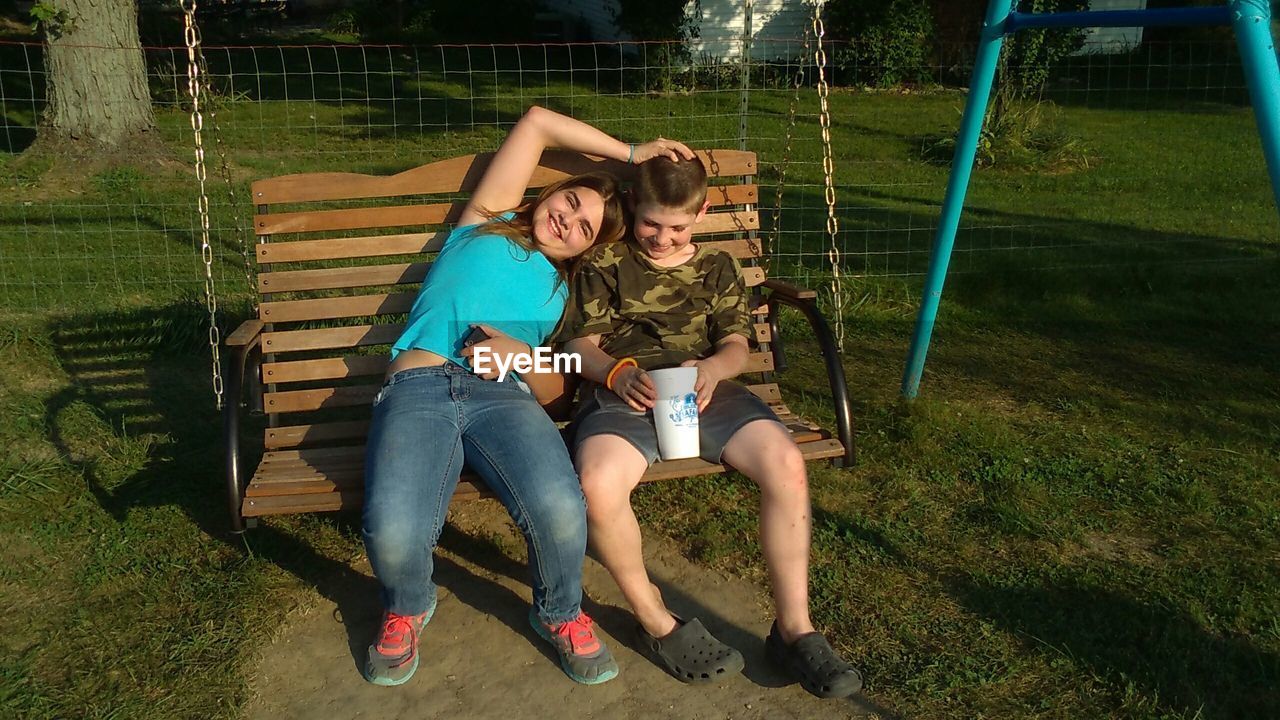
column 684, row 409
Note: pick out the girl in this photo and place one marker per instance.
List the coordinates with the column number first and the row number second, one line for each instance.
column 505, row 273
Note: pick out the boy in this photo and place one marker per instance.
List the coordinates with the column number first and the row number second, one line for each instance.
column 660, row 300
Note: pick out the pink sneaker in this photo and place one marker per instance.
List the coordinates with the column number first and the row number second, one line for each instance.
column 393, row 657
column 582, row 654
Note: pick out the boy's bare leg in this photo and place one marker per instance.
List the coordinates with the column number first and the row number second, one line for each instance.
column 610, row 468
column 763, row 451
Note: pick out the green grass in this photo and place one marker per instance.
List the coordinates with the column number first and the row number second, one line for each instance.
column 1078, row 518
column 1163, row 186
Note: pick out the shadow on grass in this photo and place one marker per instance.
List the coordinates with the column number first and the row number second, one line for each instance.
column 1132, row 641
column 145, row 373
column 1097, row 312
column 1140, row 644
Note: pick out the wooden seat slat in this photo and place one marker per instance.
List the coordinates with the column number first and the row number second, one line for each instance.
column 349, row 458
column 308, row 503
column 355, row 247
column 732, row 221
column 281, row 311
column 365, row 335
column 759, row 362
column 338, row 278
column 348, row 469
column 348, row 464
column 362, row 365
column 290, row 401
column 339, row 307
column 331, row 338
column 365, row 218
column 266, row 478
column 308, row 455
column 291, row 439
column 325, row 368
column 359, row 218
column 769, row 392
column 346, row 491
column 402, row 244
column 744, row 194
column 312, row 460
column 293, row 436
column 460, row 175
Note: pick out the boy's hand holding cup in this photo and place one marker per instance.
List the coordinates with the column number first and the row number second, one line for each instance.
column 635, row 387
column 708, row 378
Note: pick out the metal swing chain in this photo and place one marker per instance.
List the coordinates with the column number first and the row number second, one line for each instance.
column 192, row 37
column 224, row 170
column 828, row 170
column 786, row 152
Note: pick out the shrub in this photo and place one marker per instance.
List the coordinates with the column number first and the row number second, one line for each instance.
column 663, row 20
column 890, row 42
column 1030, row 56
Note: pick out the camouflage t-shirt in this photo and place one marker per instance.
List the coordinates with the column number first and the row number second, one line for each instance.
column 659, row 316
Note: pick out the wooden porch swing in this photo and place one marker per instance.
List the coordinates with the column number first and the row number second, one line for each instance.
column 338, row 259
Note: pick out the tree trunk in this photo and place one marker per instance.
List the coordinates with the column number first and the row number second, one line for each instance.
column 96, row 76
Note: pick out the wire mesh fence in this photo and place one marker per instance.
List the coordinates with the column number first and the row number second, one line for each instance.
column 1152, row 154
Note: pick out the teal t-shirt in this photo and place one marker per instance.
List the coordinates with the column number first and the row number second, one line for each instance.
column 483, row 279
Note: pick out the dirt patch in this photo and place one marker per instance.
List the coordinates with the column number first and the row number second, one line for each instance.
column 63, row 168
column 1121, row 548
column 480, row 659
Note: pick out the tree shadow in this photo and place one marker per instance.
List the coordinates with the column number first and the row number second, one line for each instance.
column 1133, row 640
column 144, row 373
column 1144, row 314
column 1129, row 637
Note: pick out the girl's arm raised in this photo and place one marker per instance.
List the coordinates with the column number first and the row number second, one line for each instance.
column 503, row 184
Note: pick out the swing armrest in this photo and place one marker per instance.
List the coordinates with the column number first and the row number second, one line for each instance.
column 246, row 336
column 806, row 302
column 786, row 289
column 246, row 341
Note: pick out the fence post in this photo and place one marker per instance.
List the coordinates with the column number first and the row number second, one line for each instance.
column 975, row 110
column 1251, row 20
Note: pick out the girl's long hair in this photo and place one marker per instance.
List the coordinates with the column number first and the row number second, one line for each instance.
column 519, row 228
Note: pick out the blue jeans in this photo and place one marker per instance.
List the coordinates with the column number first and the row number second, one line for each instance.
column 426, row 421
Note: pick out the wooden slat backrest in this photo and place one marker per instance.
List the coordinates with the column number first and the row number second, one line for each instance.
column 341, row 255
column 382, row 216
column 460, row 175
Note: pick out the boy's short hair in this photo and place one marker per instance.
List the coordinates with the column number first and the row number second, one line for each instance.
column 670, row 184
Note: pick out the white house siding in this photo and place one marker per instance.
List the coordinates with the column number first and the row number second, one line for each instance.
column 774, row 24
column 777, row 24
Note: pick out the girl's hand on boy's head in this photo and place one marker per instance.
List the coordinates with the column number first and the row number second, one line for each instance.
column 498, row 345
column 708, row 379
column 670, row 149
column 635, row 387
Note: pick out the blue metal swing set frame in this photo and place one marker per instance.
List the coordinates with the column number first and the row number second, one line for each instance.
column 1251, row 20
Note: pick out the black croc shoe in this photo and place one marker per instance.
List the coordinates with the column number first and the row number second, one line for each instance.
column 690, row 653
column 811, row 659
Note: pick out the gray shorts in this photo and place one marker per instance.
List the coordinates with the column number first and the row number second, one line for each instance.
column 604, row 413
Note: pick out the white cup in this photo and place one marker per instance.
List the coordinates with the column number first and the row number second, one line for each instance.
column 676, row 413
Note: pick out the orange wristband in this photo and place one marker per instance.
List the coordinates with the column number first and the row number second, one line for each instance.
column 617, row 367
